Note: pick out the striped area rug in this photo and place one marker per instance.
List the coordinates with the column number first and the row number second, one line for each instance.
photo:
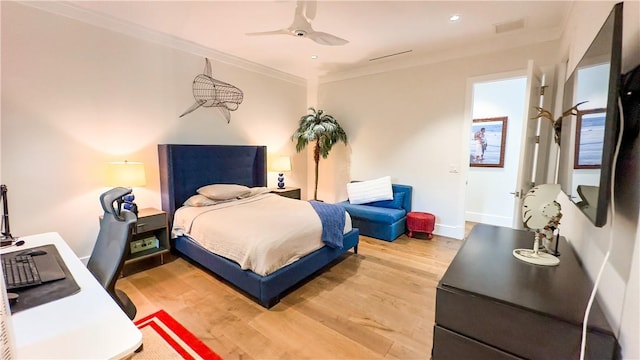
column 165, row 338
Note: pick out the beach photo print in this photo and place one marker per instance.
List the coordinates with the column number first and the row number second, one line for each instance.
column 487, row 142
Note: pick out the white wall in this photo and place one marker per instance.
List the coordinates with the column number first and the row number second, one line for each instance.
column 75, row 96
column 409, row 124
column 618, row 290
column 488, row 198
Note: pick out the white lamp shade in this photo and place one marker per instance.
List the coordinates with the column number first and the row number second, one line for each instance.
column 281, row 164
column 126, row 174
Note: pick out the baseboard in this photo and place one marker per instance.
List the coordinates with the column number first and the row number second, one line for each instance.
column 455, row 232
column 489, row 219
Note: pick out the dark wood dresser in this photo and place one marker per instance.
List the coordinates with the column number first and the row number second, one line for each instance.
column 490, row 305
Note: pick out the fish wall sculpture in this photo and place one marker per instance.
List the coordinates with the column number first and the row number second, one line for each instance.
column 209, row 92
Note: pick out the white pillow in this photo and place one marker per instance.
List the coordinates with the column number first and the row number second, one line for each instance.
column 224, row 191
column 258, row 190
column 372, row 190
column 199, row 200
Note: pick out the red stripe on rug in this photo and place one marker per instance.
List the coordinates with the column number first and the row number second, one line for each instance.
column 185, row 335
column 174, row 344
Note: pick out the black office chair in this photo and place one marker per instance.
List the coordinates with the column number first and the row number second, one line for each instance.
column 112, row 245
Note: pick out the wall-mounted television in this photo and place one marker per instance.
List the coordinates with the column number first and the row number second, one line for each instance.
column 588, row 139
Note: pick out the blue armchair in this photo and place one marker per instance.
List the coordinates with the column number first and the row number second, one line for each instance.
column 384, row 220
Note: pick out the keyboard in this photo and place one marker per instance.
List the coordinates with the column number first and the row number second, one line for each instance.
column 20, row 271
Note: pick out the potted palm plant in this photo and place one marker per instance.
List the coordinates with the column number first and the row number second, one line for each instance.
column 324, row 130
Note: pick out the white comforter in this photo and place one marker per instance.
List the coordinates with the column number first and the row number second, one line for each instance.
column 262, row 233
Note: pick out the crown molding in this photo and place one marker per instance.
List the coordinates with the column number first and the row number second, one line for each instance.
column 111, row 23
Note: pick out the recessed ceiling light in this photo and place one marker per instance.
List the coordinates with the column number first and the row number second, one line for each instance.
column 454, row 18
column 314, row 57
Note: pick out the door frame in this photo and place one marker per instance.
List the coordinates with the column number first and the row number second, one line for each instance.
column 468, row 118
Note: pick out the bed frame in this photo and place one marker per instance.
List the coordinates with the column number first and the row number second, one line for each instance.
column 185, row 168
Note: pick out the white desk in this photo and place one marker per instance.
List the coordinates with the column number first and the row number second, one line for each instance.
column 86, row 325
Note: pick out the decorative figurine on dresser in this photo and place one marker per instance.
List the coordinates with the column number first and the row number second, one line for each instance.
column 541, row 213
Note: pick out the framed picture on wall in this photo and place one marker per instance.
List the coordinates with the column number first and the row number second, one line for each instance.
column 589, row 139
column 488, row 138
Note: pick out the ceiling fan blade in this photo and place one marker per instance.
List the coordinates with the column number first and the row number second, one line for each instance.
column 310, row 9
column 324, row 38
column 274, row 32
column 300, row 22
column 304, row 12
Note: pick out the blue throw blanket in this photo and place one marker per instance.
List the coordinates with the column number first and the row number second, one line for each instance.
column 332, row 219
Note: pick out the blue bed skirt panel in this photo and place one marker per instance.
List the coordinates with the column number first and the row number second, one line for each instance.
column 267, row 289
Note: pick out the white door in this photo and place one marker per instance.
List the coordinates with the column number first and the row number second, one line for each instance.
column 528, row 154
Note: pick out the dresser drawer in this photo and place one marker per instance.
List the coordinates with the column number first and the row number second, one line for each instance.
column 511, row 328
column 450, row 345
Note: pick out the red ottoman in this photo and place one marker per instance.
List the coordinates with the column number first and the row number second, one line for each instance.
column 421, row 222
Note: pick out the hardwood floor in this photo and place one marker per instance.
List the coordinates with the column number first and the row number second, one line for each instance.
column 468, row 225
column 377, row 304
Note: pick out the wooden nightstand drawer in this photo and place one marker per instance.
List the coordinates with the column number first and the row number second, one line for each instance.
column 150, row 221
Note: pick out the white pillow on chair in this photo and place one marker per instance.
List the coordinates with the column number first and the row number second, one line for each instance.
column 371, row 190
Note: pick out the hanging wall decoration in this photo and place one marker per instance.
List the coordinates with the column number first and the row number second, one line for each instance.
column 488, row 139
column 209, row 92
column 557, row 123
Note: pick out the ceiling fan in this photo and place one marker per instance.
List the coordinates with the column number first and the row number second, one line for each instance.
column 301, row 26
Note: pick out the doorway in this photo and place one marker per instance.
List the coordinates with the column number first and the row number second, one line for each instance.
column 488, row 199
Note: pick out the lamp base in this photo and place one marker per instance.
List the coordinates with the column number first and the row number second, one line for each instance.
column 280, row 181
column 534, row 257
column 6, row 240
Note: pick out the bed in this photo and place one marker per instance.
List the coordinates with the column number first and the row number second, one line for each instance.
column 185, row 168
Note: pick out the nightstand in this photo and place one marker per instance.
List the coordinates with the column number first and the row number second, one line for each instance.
column 289, row 192
column 150, row 236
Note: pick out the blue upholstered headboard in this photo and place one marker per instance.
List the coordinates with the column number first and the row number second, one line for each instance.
column 185, row 168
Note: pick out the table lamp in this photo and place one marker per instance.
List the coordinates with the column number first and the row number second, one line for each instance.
column 126, row 174
column 540, row 213
column 281, row 164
